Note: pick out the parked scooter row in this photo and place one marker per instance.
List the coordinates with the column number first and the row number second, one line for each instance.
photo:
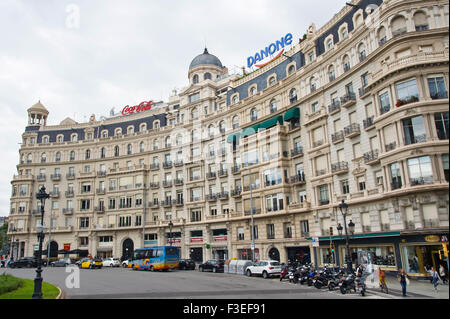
column 331, row 278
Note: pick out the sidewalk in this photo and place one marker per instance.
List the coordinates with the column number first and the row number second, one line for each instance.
column 415, row 289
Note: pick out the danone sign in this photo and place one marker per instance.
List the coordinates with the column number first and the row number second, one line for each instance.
column 268, row 51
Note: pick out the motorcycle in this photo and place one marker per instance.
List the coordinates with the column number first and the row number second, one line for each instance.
column 347, row 284
column 333, row 280
column 283, row 273
column 360, row 286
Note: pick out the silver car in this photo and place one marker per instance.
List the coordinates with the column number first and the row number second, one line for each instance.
column 111, row 262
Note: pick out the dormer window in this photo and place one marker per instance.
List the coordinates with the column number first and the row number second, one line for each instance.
column 272, row 80
column 45, row 139
column 60, row 139
column 329, row 44
column 207, row 76
column 195, row 79
column 131, row 130
column 74, row 138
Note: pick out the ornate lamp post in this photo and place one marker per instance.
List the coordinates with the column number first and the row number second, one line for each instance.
column 343, row 207
column 37, row 294
column 170, row 230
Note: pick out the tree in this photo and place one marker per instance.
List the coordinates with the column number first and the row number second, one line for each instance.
column 4, row 242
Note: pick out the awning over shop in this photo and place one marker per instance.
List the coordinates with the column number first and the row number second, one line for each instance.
column 250, row 130
column 233, row 137
column 271, row 122
column 293, row 113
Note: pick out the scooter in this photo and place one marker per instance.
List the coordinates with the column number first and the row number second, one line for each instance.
column 283, row 273
column 347, row 284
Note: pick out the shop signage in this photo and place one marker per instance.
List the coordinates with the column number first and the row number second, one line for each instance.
column 174, row 240
column 196, row 239
column 315, row 241
column 432, row 238
column 220, row 238
column 269, row 50
column 36, row 247
column 143, row 106
column 66, row 246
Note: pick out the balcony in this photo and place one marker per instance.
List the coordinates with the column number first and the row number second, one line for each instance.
column 421, row 180
column 255, row 187
column 371, row 158
column 256, row 211
column 54, row 194
column 235, row 169
column 431, row 223
column 211, row 197
column 337, row 137
column 368, row 122
column 195, row 178
column 318, row 143
column 101, row 173
column 236, row 192
column 179, row 202
column 339, row 168
column 41, row 177
column 334, row 107
column 67, row 211
column 154, row 204
column 223, row 172
column 385, row 109
column 363, row 91
column 69, row 193
column 166, row 203
column 167, row 164
column 348, row 100
column 100, row 191
column 321, row 172
column 324, row 202
column 167, row 183
column 178, row 162
column 391, row 146
column 55, row 177
column 396, row 184
column 154, row 185
column 407, row 100
column 297, row 179
column 70, row 176
column 298, row 150
column 352, row 130
column 154, row 166
column 399, row 32
column 211, row 175
column 223, row 195
column 99, row 209
column 415, row 139
column 196, row 199
column 178, row 182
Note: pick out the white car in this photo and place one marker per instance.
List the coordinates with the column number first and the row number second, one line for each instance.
column 111, row 262
column 266, row 268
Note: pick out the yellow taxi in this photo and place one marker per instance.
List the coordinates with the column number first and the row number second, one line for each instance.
column 89, row 263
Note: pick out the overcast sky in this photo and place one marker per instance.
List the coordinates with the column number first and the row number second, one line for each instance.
column 85, row 57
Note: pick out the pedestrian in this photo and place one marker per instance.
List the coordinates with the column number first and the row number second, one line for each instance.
column 403, row 278
column 443, row 276
column 435, row 278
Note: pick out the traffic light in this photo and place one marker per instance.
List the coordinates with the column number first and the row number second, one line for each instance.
column 332, row 248
column 331, row 231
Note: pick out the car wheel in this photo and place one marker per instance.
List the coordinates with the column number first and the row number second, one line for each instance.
column 200, row 269
column 214, row 269
column 265, row 275
column 29, row 265
column 343, row 290
column 249, row 273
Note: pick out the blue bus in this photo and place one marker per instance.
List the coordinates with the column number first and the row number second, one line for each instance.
column 155, row 258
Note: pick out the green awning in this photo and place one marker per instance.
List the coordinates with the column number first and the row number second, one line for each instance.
column 233, row 137
column 250, row 130
column 292, row 114
column 271, row 122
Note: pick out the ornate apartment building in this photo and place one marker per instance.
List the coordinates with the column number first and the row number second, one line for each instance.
column 356, row 111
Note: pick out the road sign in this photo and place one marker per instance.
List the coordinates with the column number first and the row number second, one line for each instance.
column 315, row 241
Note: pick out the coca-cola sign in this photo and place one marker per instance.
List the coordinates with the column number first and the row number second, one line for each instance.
column 143, row 106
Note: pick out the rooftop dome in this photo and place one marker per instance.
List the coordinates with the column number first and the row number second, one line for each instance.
column 38, row 107
column 205, row 59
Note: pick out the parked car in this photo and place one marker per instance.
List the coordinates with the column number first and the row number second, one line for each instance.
column 27, row 262
column 126, row 263
column 186, row 264
column 215, row 265
column 62, row 262
column 91, row 263
column 111, row 262
column 266, row 268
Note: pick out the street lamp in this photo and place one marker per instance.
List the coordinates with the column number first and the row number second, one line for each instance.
column 37, row 294
column 170, row 230
column 253, row 223
column 343, row 207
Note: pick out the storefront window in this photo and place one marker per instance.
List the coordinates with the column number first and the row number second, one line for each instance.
column 417, row 259
column 382, row 255
column 326, row 256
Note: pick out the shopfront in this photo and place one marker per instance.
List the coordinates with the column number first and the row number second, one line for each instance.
column 246, row 254
column 300, row 254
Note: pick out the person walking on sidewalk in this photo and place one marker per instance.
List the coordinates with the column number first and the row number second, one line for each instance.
column 435, row 278
column 403, row 278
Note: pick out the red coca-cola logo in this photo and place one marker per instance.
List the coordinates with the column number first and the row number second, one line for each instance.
column 143, row 106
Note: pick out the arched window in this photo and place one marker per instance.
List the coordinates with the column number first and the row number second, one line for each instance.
column 167, row 142
column 235, row 122
column 179, row 139
column 343, row 32
column 29, row 158
column 195, row 79
column 58, row 157
column 155, row 144
column 358, row 20
column 346, row 63
column 313, row 84
column 382, row 38
column 116, row 150
column 131, row 130
column 43, row 158
column 207, row 76
column 329, row 44
column 72, row 156
column 45, row 139
column 272, row 80
column 420, row 21
column 331, row 73
column 141, row 147
column 222, row 126
column 74, row 137
column 398, row 26
column 156, row 124
column 293, row 95
column 102, row 152
column 253, row 114
column 253, row 90
column 362, row 52
column 273, row 106
column 194, row 113
column 104, row 133
column 129, row 149
column 235, row 99
column 143, row 127
column 88, row 154
column 118, row 131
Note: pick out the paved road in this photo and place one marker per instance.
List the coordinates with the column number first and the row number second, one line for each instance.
column 125, row 283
